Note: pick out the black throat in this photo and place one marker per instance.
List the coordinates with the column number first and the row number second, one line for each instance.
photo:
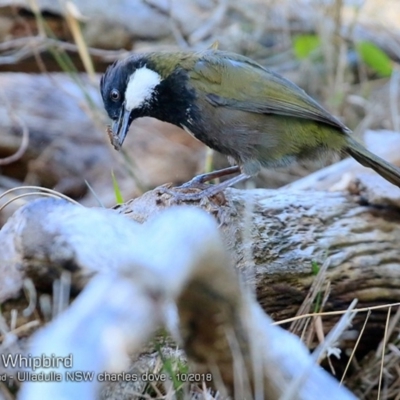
column 175, row 100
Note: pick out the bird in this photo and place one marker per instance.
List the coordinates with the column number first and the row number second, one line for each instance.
column 233, row 105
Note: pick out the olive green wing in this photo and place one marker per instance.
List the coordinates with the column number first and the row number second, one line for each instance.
column 234, row 81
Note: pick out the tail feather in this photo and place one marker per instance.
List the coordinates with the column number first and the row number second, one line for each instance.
column 370, row 160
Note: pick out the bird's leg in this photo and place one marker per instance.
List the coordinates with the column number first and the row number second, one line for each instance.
column 199, row 179
column 210, row 190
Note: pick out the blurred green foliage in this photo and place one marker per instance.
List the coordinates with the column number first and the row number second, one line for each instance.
column 374, row 58
column 370, row 54
column 304, row 45
column 314, row 268
column 117, row 191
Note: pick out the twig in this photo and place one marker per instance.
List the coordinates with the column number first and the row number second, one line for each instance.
column 332, row 337
column 392, row 326
column 326, row 313
column 25, row 134
column 23, row 146
column 383, row 352
column 25, row 46
column 394, row 99
column 44, row 192
column 21, row 329
column 72, row 15
column 61, row 293
column 355, row 347
column 174, row 25
column 210, row 25
column 31, row 294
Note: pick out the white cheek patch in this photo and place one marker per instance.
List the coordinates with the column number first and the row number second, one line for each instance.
column 140, row 87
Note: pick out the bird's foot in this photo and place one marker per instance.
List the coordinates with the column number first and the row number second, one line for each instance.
column 182, row 194
column 185, row 192
column 195, row 183
column 199, row 180
column 213, row 201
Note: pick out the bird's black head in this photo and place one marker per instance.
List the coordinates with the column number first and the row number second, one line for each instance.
column 145, row 85
column 129, row 89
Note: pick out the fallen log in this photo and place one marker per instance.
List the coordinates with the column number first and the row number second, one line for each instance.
column 274, row 238
column 229, row 340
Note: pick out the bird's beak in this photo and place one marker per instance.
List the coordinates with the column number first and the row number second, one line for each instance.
column 120, row 128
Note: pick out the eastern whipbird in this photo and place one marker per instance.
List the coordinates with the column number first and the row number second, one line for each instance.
column 232, row 104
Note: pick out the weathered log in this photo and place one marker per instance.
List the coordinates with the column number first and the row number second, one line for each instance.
column 119, row 26
column 275, row 236
column 141, row 19
column 143, row 270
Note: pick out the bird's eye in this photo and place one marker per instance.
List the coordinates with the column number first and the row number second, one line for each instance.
column 114, row 95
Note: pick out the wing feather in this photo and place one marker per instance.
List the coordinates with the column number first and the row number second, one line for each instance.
column 236, row 82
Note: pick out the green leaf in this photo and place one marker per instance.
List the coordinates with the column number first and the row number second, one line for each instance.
column 314, row 268
column 375, row 58
column 304, row 45
column 174, row 368
column 117, row 191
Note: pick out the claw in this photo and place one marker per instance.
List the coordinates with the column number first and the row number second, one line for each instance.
column 180, row 193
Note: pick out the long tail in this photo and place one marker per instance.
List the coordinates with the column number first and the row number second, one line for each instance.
column 368, row 159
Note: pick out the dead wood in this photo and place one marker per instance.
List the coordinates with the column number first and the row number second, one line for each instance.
column 195, row 23
column 223, row 329
column 275, row 236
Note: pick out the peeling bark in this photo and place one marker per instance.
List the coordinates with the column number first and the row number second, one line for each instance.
column 274, row 236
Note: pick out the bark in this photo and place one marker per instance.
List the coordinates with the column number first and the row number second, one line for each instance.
column 274, row 236
column 224, row 331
